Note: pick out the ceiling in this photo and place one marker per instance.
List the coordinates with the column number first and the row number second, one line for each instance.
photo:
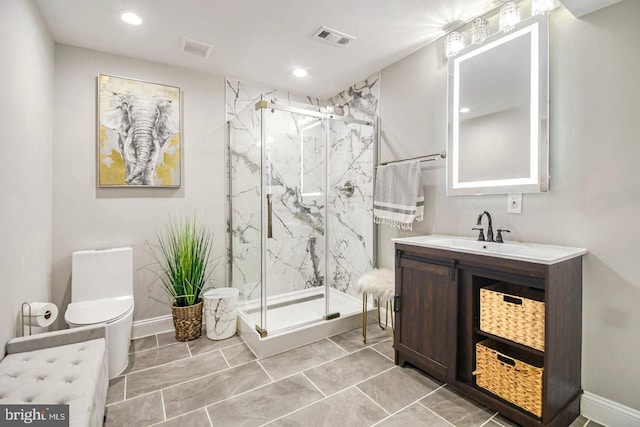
column 262, row 41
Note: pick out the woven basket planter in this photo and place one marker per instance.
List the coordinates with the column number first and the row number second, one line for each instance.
column 513, row 312
column 514, row 375
column 187, row 321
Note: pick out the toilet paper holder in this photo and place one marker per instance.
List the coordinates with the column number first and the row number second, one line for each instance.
column 46, row 315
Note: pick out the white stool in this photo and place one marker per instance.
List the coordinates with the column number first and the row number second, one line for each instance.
column 380, row 283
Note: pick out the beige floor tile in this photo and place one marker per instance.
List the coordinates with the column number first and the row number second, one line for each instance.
column 144, row 343
column 169, row 374
column 579, row 422
column 301, row 358
column 347, row 408
column 166, row 338
column 204, row 344
column 457, row 409
column 352, row 341
column 141, row 411
column 265, row 403
column 197, row 418
column 210, row 389
column 238, row 354
column 415, row 415
column 348, row 370
column 157, row 356
column 397, row 388
column 386, row 348
column 505, row 422
column 115, row 392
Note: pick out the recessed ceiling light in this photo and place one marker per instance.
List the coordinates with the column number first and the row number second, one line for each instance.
column 131, row 18
column 300, row 72
column 465, row 110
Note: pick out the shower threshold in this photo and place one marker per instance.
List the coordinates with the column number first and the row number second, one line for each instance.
column 298, row 318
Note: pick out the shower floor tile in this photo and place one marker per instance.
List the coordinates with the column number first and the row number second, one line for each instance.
column 332, row 382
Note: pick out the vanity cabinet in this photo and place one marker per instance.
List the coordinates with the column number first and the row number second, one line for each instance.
column 426, row 332
column 437, row 306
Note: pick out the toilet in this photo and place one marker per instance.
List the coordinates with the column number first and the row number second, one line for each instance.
column 102, row 292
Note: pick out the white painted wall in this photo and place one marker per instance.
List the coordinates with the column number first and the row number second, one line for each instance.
column 594, row 200
column 86, row 217
column 26, row 113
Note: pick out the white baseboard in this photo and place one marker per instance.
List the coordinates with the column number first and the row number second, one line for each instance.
column 155, row 325
column 607, row 412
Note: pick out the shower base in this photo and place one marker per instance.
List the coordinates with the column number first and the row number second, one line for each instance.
column 297, row 319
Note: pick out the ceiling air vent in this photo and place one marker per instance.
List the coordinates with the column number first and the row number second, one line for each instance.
column 334, row 37
column 196, row 47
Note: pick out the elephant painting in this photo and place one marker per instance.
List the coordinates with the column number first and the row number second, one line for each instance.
column 143, row 121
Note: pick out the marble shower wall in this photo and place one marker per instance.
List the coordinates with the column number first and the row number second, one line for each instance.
column 350, row 224
column 295, row 254
column 243, row 162
column 240, row 95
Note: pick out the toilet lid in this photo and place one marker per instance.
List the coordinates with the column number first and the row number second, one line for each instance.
column 98, row 311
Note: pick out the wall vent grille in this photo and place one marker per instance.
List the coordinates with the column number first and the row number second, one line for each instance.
column 333, row 37
column 196, row 47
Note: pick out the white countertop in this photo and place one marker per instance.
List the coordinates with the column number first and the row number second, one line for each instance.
column 530, row 252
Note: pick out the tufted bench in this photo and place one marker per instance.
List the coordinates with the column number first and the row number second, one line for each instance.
column 61, row 367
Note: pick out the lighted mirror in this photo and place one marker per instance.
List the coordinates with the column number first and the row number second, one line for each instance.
column 498, row 114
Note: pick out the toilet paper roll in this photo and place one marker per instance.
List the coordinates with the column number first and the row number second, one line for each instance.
column 42, row 314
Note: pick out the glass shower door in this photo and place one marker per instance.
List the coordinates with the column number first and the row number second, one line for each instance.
column 294, row 189
column 245, row 164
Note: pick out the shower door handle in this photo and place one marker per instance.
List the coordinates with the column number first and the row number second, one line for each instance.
column 269, row 217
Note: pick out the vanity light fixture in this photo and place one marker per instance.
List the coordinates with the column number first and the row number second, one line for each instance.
column 509, row 17
column 540, row 7
column 300, row 72
column 131, row 18
column 455, row 43
column 479, row 30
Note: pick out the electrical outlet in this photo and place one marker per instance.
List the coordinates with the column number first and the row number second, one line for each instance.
column 514, row 203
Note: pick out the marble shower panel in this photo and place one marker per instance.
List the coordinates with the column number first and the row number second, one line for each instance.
column 351, row 160
column 245, row 197
column 350, row 214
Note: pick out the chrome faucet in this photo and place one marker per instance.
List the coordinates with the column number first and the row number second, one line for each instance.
column 490, row 229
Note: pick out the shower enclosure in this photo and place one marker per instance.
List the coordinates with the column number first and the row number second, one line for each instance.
column 301, row 214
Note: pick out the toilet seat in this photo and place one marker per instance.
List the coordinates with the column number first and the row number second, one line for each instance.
column 105, row 310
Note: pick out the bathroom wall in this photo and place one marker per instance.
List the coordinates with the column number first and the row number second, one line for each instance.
column 26, row 125
column 86, row 217
column 595, row 191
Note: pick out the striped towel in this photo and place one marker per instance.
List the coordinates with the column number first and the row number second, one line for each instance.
column 398, row 198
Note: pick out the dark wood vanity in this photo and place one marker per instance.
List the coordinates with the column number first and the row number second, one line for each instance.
column 437, row 308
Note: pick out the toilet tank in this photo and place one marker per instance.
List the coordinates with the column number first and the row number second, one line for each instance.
column 98, row 274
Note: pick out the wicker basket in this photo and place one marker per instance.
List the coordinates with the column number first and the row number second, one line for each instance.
column 513, row 312
column 514, row 375
column 187, row 321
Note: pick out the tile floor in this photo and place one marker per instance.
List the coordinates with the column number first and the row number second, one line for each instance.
column 334, row 382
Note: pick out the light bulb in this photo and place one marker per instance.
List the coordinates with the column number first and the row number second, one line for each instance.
column 540, row 7
column 300, row 72
column 479, row 30
column 455, row 43
column 509, row 16
column 131, row 18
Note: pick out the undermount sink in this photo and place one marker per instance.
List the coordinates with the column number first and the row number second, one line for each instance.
column 532, row 252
